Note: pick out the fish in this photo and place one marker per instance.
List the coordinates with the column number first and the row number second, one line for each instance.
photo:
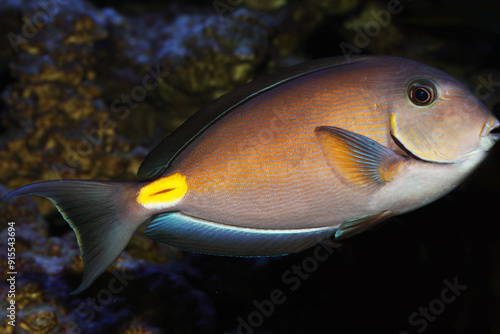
column 326, row 149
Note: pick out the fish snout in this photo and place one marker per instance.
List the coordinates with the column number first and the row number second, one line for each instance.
column 490, row 133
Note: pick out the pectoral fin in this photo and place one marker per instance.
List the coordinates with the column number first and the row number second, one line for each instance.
column 359, row 159
column 356, row 226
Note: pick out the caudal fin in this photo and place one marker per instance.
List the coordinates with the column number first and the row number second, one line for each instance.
column 101, row 213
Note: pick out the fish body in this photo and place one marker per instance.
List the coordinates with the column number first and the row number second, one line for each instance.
column 324, row 148
column 270, row 154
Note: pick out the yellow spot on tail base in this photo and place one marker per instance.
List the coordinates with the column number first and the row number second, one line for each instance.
column 164, row 192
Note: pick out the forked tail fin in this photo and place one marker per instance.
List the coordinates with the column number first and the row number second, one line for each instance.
column 103, row 214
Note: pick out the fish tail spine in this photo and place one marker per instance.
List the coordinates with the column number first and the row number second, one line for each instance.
column 103, row 214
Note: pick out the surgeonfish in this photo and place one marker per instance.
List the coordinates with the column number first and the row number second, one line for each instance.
column 327, row 148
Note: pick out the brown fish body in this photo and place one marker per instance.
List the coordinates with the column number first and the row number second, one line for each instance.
column 273, row 170
column 278, row 164
column 264, row 165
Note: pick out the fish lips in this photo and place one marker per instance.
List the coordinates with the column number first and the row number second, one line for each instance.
column 490, row 134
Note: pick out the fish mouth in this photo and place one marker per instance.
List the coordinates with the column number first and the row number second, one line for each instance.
column 490, row 134
column 494, row 130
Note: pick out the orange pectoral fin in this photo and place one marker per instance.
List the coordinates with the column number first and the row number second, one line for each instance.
column 359, row 159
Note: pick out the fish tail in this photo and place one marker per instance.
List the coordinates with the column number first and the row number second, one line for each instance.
column 103, row 214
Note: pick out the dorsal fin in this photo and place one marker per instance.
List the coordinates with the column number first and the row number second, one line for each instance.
column 157, row 161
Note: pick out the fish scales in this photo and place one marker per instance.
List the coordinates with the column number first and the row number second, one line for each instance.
column 277, row 150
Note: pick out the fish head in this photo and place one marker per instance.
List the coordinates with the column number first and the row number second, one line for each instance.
column 437, row 119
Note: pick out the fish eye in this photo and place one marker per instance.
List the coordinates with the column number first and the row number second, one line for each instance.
column 421, row 92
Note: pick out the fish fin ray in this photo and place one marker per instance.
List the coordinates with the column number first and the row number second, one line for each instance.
column 158, row 160
column 356, row 226
column 359, row 159
column 199, row 235
column 94, row 210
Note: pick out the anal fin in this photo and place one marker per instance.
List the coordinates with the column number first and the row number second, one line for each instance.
column 199, row 235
